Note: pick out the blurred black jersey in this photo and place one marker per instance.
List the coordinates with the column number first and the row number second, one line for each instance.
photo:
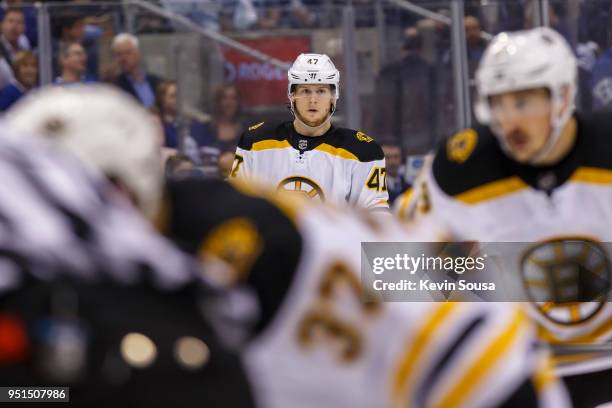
column 246, row 242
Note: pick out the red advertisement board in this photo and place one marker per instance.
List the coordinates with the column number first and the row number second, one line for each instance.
column 261, row 83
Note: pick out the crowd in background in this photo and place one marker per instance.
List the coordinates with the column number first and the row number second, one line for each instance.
column 413, row 90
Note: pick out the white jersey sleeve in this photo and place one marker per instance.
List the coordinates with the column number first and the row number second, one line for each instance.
column 424, row 208
column 243, row 164
column 369, row 185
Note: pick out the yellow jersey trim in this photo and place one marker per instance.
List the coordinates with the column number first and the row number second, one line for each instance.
column 404, row 201
column 572, row 359
column 408, row 366
column 592, row 175
column 490, row 357
column 489, row 191
column 380, row 204
column 544, row 375
column 336, row 151
column 270, row 144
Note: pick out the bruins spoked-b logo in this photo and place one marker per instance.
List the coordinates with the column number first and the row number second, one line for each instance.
column 302, row 186
column 461, row 145
column 568, row 279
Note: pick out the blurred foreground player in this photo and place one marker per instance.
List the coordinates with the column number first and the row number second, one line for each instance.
column 540, row 173
column 91, row 297
column 295, row 309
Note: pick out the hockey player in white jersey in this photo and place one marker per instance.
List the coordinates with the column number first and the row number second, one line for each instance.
column 92, row 298
column 536, row 172
column 297, row 314
column 309, row 155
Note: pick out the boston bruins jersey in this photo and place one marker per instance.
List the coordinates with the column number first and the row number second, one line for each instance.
column 473, row 191
column 82, row 274
column 342, row 166
column 309, row 339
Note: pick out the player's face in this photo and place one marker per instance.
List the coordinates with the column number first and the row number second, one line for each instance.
column 523, row 120
column 313, row 103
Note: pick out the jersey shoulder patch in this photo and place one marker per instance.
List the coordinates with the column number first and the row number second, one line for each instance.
column 362, row 146
column 260, row 132
column 469, row 159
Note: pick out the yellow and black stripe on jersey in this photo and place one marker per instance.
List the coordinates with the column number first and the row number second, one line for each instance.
column 472, row 168
column 342, row 142
column 453, row 354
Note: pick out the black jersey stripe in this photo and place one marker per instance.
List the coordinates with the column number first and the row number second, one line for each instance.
column 433, row 376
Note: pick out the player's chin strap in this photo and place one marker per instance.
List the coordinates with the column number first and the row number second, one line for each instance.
column 558, row 123
column 313, row 128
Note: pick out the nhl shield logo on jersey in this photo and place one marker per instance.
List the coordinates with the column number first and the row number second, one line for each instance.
column 461, row 145
column 362, row 137
column 303, row 144
column 302, row 186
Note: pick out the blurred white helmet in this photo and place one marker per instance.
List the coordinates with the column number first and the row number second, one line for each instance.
column 536, row 58
column 104, row 128
column 314, row 69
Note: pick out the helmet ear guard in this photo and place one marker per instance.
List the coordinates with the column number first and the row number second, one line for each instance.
column 528, row 59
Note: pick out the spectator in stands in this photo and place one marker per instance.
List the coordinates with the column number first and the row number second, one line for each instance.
column 602, row 81
column 12, row 40
column 132, row 78
column 70, row 29
column 30, row 17
column 404, row 98
column 26, row 78
column 73, row 61
column 265, row 14
column 204, row 13
column 227, row 122
column 165, row 152
column 396, row 183
column 179, row 166
column 199, row 132
column 476, row 44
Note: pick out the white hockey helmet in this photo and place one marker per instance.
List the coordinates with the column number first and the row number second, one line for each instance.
column 521, row 60
column 314, row 69
column 104, row 128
